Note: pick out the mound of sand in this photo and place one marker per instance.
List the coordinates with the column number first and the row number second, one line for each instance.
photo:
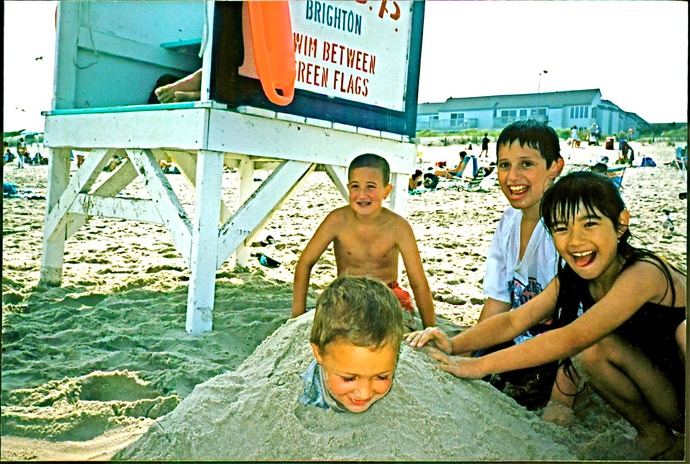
column 253, row 413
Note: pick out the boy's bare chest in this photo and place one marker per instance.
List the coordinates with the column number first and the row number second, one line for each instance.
column 364, row 243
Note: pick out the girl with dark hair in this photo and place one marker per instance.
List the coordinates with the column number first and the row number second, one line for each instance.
column 618, row 310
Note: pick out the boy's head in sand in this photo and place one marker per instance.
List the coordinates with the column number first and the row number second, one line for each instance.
column 356, row 339
column 528, row 160
column 368, row 183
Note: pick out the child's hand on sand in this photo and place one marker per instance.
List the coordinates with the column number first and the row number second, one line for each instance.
column 459, row 366
column 434, row 335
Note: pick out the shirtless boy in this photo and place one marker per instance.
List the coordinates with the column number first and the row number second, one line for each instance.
column 368, row 240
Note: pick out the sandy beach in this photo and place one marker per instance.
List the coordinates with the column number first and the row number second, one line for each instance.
column 102, row 367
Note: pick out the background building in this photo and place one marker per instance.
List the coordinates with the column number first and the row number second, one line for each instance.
column 561, row 110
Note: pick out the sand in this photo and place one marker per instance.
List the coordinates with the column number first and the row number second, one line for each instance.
column 89, row 367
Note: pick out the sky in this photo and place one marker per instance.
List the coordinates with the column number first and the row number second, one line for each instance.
column 635, row 52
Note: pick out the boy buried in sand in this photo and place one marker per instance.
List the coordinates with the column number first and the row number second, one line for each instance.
column 355, row 337
column 368, row 240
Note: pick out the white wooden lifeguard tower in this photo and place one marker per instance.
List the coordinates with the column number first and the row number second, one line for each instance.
column 357, row 71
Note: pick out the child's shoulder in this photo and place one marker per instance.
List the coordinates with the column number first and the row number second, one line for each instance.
column 510, row 216
column 391, row 215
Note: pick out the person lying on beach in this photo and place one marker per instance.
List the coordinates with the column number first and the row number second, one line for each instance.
column 522, row 259
column 368, row 240
column 619, row 317
column 355, row 337
column 457, row 170
column 186, row 89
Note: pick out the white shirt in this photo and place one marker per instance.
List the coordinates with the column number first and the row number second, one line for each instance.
column 513, row 280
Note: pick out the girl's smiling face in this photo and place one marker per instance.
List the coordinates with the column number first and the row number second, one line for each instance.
column 589, row 243
column 356, row 376
column 367, row 191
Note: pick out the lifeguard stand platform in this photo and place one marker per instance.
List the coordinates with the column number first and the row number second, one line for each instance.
column 355, row 92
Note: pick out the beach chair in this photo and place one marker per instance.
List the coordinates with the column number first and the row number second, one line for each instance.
column 615, row 173
column 475, row 184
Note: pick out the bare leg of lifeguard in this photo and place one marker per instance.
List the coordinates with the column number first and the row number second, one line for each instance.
column 186, row 89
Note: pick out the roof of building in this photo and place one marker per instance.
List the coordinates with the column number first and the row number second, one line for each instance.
column 551, row 99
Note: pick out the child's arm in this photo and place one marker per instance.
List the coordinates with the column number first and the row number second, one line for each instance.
column 640, row 283
column 407, row 244
column 493, row 307
column 321, row 239
column 500, row 328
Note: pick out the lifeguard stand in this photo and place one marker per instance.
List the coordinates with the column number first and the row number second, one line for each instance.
column 357, row 70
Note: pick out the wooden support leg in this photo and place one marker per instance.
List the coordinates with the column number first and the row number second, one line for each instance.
column 338, row 174
column 399, row 195
column 54, row 247
column 246, row 190
column 204, row 251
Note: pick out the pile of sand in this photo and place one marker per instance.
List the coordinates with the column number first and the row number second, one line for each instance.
column 253, row 413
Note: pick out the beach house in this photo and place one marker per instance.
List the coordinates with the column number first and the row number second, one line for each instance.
column 561, row 110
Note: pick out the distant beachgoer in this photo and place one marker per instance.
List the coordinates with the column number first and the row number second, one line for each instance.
column 457, row 170
column 8, row 157
column 21, row 153
column 574, row 137
column 485, row 146
column 415, row 180
column 355, row 337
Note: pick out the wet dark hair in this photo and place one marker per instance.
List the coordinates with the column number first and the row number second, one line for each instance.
column 534, row 134
column 369, row 160
column 560, row 204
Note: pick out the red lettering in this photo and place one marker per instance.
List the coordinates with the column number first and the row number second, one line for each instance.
column 312, row 74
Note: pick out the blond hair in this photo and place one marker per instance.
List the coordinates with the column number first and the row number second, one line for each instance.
column 358, row 310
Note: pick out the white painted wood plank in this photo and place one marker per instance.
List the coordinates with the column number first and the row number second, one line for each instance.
column 288, row 140
column 136, row 51
column 204, row 250
column 246, row 189
column 338, row 175
column 254, row 212
column 82, row 180
column 131, row 209
column 183, row 129
column 168, row 205
column 52, row 255
column 188, row 165
column 398, row 198
column 120, row 178
column 221, row 130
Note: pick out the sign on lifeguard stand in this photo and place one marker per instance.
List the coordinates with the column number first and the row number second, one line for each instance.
column 345, row 85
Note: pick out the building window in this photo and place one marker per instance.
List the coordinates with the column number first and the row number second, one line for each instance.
column 454, row 116
column 577, row 112
column 523, row 114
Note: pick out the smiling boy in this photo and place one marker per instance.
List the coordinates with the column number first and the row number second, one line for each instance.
column 368, row 240
column 522, row 258
column 355, row 338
